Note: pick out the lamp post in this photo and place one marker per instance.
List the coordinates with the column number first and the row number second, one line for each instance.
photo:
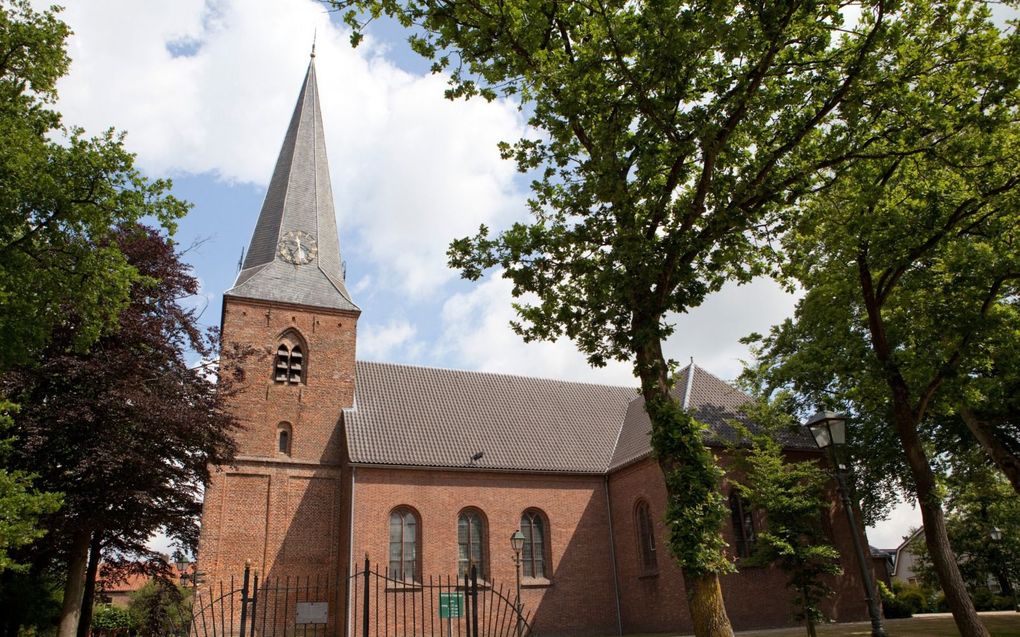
column 996, row 536
column 829, row 431
column 517, row 544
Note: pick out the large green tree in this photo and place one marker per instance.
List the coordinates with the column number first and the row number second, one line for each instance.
column 910, row 262
column 61, row 193
column 667, row 134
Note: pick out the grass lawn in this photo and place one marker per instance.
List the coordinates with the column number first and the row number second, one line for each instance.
column 1001, row 624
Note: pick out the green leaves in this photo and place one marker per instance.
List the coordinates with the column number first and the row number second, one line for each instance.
column 792, row 496
column 21, row 505
column 60, row 200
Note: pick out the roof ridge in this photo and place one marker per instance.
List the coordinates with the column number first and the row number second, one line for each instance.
column 502, row 374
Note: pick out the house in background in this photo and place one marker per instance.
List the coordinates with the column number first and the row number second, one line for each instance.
column 116, row 587
column 903, row 570
column 426, row 472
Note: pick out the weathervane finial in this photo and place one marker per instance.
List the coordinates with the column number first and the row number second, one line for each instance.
column 314, row 33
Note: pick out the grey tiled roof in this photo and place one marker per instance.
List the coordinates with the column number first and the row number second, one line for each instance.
column 712, row 401
column 422, row 416
column 299, row 199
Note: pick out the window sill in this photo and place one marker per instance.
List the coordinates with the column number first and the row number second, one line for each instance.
column 409, row 587
column 535, row 582
column 649, row 574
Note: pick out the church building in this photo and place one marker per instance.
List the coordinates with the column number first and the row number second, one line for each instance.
column 428, row 471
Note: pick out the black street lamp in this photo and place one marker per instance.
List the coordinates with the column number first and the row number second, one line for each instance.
column 829, row 431
column 517, row 544
column 996, row 536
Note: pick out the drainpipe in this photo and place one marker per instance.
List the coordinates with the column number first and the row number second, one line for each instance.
column 350, row 558
column 612, row 555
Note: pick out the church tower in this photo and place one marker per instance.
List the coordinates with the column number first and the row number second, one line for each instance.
column 291, row 323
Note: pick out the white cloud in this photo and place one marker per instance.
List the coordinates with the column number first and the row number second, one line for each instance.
column 410, row 169
column 889, row 533
column 477, row 335
column 711, row 333
column 386, row 342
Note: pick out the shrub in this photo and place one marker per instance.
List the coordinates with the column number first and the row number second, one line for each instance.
column 913, row 596
column 110, row 620
column 892, row 606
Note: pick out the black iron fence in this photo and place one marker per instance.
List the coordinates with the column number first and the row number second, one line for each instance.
column 371, row 604
column 381, row 606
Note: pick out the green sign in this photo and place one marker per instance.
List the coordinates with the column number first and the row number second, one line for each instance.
column 451, row 605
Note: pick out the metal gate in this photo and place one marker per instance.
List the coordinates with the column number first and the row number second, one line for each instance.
column 381, row 606
column 375, row 605
column 279, row 607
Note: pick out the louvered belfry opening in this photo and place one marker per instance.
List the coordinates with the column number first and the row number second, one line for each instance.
column 290, row 361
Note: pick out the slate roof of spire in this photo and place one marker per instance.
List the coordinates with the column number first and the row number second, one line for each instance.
column 299, row 199
column 429, row 417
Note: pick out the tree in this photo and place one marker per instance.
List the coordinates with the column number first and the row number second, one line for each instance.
column 668, row 134
column 161, row 607
column 20, row 504
column 794, row 498
column 128, row 430
column 978, row 502
column 910, row 262
column 61, row 194
column 109, row 620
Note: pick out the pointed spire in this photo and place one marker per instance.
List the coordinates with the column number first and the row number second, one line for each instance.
column 294, row 255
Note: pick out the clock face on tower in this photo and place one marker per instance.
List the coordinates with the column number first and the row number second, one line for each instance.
column 296, row 247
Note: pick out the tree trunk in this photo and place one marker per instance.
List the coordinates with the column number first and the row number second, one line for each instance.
column 704, row 593
column 905, row 420
column 1004, row 459
column 705, row 600
column 935, row 536
column 74, row 587
column 89, row 596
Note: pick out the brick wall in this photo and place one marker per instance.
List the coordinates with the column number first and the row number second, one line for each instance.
column 656, row 602
column 580, row 594
column 280, row 510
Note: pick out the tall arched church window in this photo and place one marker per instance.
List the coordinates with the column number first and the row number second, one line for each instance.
column 533, row 557
column 743, row 524
column 404, row 545
column 646, row 537
column 471, row 543
column 291, row 364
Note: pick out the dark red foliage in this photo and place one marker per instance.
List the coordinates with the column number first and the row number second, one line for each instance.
column 129, row 430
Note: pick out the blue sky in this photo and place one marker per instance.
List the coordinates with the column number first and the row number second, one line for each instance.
column 204, row 91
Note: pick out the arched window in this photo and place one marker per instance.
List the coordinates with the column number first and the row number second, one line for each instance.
column 404, row 543
column 283, row 437
column 743, row 524
column 290, row 363
column 472, row 541
column 535, row 542
column 646, row 537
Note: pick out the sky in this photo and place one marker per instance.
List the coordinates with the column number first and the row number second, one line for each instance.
column 204, row 90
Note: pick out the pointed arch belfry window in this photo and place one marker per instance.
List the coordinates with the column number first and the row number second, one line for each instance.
column 291, row 364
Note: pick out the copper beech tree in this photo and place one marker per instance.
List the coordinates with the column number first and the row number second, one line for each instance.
column 126, row 431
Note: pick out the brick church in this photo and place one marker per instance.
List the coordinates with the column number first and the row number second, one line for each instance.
column 427, row 470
